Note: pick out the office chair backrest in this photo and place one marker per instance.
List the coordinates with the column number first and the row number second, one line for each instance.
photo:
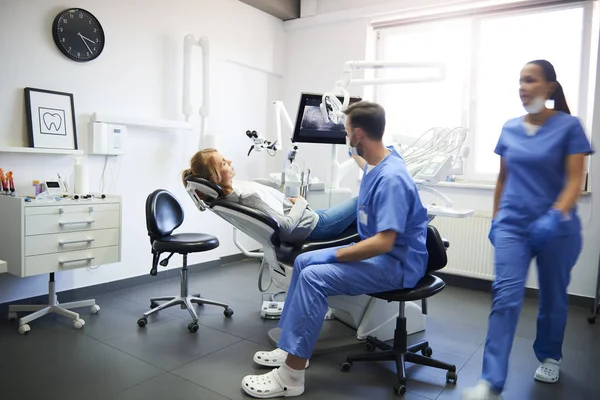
column 436, row 249
column 163, row 214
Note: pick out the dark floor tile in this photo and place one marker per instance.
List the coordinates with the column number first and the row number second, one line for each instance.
column 245, row 322
column 170, row 344
column 117, row 317
column 94, row 372
column 167, row 386
column 51, row 336
column 451, row 338
column 222, row 371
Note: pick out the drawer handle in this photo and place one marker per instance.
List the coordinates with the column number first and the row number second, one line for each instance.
column 76, row 241
column 87, row 222
column 88, row 259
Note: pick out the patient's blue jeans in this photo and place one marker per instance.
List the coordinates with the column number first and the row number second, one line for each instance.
column 334, row 221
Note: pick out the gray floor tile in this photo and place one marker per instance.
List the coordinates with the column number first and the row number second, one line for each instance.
column 451, row 338
column 117, row 317
column 94, row 372
column 167, row 386
column 222, row 371
column 51, row 336
column 170, row 344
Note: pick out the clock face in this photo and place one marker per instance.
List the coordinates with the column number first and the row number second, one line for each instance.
column 78, row 34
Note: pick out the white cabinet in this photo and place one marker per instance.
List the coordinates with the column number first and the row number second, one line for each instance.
column 41, row 237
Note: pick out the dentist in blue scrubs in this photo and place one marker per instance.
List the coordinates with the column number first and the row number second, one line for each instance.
column 392, row 254
column 535, row 215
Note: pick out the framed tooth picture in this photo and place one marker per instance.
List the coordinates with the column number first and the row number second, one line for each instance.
column 50, row 119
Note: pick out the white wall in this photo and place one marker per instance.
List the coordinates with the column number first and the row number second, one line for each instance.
column 140, row 75
column 334, row 32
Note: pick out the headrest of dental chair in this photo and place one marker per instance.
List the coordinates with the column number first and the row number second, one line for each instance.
column 210, row 190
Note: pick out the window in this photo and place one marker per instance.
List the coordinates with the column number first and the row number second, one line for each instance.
column 483, row 57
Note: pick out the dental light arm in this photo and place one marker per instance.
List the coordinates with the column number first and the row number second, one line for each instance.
column 341, row 87
column 332, row 108
column 189, row 42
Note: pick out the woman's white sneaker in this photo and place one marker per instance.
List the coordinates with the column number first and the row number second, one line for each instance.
column 483, row 391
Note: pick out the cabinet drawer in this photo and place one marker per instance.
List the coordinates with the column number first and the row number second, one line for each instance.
column 57, row 223
column 70, row 241
column 71, row 208
column 69, row 260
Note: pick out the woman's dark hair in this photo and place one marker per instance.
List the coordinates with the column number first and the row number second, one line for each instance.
column 560, row 102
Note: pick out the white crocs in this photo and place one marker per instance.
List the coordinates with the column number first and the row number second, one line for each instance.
column 269, row 386
column 275, row 358
column 483, row 391
column 548, row 371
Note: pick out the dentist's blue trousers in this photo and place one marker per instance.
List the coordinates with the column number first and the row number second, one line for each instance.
column 306, row 304
column 512, row 258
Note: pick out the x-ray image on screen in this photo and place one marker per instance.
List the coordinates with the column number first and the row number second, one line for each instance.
column 313, row 127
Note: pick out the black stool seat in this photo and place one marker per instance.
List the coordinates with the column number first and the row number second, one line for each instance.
column 426, row 287
column 287, row 252
column 184, row 243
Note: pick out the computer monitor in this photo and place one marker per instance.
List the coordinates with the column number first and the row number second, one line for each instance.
column 313, row 127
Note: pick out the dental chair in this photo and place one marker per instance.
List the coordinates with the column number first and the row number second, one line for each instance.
column 163, row 215
column 351, row 318
column 399, row 351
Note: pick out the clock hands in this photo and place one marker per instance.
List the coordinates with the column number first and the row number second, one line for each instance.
column 83, row 39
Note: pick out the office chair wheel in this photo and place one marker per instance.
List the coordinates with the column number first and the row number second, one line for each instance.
column 142, row 322
column 427, row 351
column 153, row 304
column 591, row 320
column 94, row 309
column 78, row 323
column 346, row 366
column 228, row 312
column 371, row 347
column 400, row 389
column 451, row 377
column 12, row 316
column 24, row 329
column 193, row 327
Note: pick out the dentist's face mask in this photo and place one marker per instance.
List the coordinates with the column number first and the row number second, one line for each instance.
column 353, row 150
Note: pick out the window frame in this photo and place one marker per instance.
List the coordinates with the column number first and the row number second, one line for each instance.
column 589, row 57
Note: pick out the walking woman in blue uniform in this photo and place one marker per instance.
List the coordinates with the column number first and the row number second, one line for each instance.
column 535, row 215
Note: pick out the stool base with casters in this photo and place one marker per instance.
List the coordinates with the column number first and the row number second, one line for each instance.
column 401, row 353
column 184, row 300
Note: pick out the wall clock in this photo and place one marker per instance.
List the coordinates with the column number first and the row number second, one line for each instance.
column 78, row 34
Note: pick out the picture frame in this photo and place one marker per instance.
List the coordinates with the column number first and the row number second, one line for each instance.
column 50, row 119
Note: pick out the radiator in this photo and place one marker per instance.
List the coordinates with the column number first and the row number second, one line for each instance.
column 470, row 252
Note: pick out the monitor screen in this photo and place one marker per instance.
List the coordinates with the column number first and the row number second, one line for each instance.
column 313, row 127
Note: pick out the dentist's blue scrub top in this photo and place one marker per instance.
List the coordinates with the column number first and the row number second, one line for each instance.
column 536, row 169
column 389, row 200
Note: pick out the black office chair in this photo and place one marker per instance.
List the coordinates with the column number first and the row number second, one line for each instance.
column 400, row 352
column 163, row 215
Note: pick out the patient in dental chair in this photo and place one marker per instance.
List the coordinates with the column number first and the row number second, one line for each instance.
column 297, row 220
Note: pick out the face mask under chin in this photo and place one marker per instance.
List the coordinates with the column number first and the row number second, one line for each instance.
column 536, row 105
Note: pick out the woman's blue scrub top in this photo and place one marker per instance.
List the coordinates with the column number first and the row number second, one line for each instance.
column 536, row 169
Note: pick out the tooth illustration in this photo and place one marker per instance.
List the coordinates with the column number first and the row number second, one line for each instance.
column 52, row 121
